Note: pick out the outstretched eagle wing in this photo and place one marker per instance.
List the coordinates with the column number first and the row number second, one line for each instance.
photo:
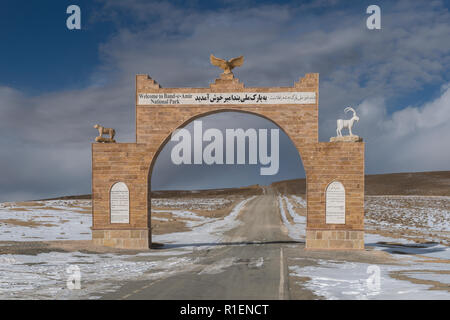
column 218, row 62
column 236, row 62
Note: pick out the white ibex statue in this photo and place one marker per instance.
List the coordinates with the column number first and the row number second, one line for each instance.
column 341, row 124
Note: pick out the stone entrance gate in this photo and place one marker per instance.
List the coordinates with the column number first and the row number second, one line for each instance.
column 121, row 172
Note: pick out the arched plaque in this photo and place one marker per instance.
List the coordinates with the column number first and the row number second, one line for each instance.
column 335, row 203
column 120, row 203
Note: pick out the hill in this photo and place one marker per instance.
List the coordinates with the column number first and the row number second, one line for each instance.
column 435, row 183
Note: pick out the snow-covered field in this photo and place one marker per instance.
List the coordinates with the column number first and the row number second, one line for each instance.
column 405, row 227
column 204, row 230
column 398, row 225
column 409, row 217
column 207, row 204
column 45, row 220
column 72, row 219
column 352, row 280
column 44, row 276
column 422, row 271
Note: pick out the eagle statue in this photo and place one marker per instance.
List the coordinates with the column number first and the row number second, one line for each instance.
column 227, row 66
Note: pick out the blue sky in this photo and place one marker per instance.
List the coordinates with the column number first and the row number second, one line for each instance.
column 56, row 83
column 53, row 57
column 41, row 53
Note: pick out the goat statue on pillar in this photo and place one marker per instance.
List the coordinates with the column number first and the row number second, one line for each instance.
column 342, row 124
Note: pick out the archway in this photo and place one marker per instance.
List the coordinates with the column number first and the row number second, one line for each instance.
column 171, row 183
column 160, row 111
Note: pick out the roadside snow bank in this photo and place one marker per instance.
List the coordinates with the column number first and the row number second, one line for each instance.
column 296, row 231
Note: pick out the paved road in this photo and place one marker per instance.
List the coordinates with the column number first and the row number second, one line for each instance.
column 250, row 264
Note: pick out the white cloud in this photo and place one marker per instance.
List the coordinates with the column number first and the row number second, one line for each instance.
column 411, row 139
column 431, row 115
column 48, row 136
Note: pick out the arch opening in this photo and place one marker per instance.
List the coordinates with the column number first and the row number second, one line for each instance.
column 218, row 190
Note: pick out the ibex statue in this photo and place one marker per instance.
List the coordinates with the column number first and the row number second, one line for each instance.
column 341, row 124
column 101, row 131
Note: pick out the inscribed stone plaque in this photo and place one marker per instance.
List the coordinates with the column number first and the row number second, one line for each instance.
column 335, row 206
column 120, row 203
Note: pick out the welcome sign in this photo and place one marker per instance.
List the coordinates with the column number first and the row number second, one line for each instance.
column 227, row 98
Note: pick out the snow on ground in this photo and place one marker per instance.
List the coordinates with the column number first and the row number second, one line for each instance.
column 404, row 246
column 300, row 201
column 296, row 230
column 44, row 276
column 295, row 216
column 428, row 276
column 208, row 204
column 72, row 219
column 348, row 280
column 372, row 239
column 427, row 265
column 204, row 230
column 425, row 217
column 191, row 219
column 45, row 220
column 352, row 280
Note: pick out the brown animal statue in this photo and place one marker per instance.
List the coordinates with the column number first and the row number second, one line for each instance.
column 101, row 131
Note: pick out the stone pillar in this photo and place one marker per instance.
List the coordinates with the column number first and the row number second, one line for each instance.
column 113, row 163
column 342, row 162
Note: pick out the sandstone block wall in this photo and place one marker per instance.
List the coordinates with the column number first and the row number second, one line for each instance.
column 132, row 163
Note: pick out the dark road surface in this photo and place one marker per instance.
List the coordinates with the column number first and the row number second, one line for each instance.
column 251, row 264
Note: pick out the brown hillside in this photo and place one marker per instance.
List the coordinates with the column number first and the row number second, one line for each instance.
column 243, row 191
column 435, row 183
column 296, row 186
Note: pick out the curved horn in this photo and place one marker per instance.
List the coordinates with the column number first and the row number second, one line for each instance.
column 350, row 109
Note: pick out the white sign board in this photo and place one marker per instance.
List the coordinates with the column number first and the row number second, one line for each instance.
column 227, row 98
column 335, row 203
column 120, row 203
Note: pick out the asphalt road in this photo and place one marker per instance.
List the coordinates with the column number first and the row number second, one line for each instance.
column 249, row 264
